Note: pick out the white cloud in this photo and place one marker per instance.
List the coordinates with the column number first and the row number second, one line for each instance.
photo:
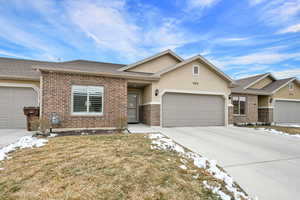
column 191, row 4
column 280, row 12
column 9, row 54
column 113, row 28
column 259, row 58
column 105, row 24
column 255, row 2
column 287, row 73
column 237, row 39
column 291, row 29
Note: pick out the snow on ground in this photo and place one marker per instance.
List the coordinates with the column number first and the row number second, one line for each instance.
column 289, row 125
column 273, row 131
column 159, row 141
column 23, row 142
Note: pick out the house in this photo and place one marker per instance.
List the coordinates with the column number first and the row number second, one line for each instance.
column 263, row 98
column 162, row 90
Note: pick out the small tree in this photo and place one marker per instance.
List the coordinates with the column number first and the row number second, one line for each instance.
column 121, row 122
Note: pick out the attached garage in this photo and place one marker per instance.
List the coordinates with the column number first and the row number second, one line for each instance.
column 179, row 109
column 287, row 111
column 12, row 102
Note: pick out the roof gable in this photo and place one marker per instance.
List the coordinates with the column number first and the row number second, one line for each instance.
column 255, row 79
column 156, row 56
column 192, row 59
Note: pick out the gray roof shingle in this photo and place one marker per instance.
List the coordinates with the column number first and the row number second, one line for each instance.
column 21, row 68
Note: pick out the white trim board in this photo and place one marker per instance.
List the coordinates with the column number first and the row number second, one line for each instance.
column 279, row 99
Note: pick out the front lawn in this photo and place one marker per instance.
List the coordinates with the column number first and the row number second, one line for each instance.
column 112, row 166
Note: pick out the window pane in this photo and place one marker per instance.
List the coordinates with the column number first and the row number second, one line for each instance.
column 242, row 107
column 95, row 99
column 235, row 102
column 79, row 99
column 196, row 70
column 243, row 99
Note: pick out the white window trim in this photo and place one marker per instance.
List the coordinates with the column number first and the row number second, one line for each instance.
column 291, row 84
column 87, row 113
column 194, row 70
column 239, row 114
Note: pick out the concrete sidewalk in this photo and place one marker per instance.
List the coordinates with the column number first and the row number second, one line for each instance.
column 8, row 136
column 265, row 165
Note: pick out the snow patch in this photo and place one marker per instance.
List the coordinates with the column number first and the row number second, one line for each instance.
column 161, row 142
column 52, row 135
column 183, row 167
column 23, row 142
column 273, row 131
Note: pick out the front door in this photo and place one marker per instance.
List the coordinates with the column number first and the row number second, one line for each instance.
column 132, row 107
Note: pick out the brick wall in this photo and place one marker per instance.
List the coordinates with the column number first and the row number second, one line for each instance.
column 151, row 114
column 251, row 115
column 56, row 97
column 265, row 115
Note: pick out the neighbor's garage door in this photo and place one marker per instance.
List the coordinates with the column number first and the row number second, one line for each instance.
column 192, row 110
column 287, row 111
column 12, row 101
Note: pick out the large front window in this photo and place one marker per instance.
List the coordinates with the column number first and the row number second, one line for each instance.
column 87, row 100
column 239, row 105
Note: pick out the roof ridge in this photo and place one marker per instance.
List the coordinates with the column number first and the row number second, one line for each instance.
column 257, row 75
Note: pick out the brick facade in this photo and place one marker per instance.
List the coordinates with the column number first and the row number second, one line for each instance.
column 265, row 115
column 56, row 97
column 151, row 114
column 251, row 115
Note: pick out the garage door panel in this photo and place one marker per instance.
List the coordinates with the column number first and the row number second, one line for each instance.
column 192, row 110
column 287, row 111
column 12, row 102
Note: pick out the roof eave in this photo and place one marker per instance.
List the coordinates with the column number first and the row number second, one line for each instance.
column 168, row 51
column 256, row 81
column 19, row 78
column 226, row 77
column 125, row 76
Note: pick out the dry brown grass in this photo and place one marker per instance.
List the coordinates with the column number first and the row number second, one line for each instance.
column 289, row 130
column 99, row 167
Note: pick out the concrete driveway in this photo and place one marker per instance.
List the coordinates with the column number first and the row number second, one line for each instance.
column 8, row 136
column 265, row 165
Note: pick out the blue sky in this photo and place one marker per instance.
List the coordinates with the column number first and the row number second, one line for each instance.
column 242, row 38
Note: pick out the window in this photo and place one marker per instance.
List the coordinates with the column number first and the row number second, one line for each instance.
column 196, row 70
column 239, row 105
column 87, row 100
column 291, row 86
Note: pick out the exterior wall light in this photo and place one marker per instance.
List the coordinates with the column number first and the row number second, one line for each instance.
column 156, row 92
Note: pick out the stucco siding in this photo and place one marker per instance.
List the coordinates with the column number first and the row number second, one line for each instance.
column 262, row 83
column 156, row 65
column 183, row 79
column 285, row 93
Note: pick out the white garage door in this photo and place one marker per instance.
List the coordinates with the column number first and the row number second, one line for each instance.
column 287, row 112
column 192, row 110
column 12, row 102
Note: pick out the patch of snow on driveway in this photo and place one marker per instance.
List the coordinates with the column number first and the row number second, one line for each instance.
column 23, row 142
column 161, row 142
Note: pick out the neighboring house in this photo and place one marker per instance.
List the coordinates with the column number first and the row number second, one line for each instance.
column 263, row 98
column 162, row 90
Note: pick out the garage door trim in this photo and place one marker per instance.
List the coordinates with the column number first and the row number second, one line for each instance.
column 196, row 92
column 23, row 85
column 280, row 99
